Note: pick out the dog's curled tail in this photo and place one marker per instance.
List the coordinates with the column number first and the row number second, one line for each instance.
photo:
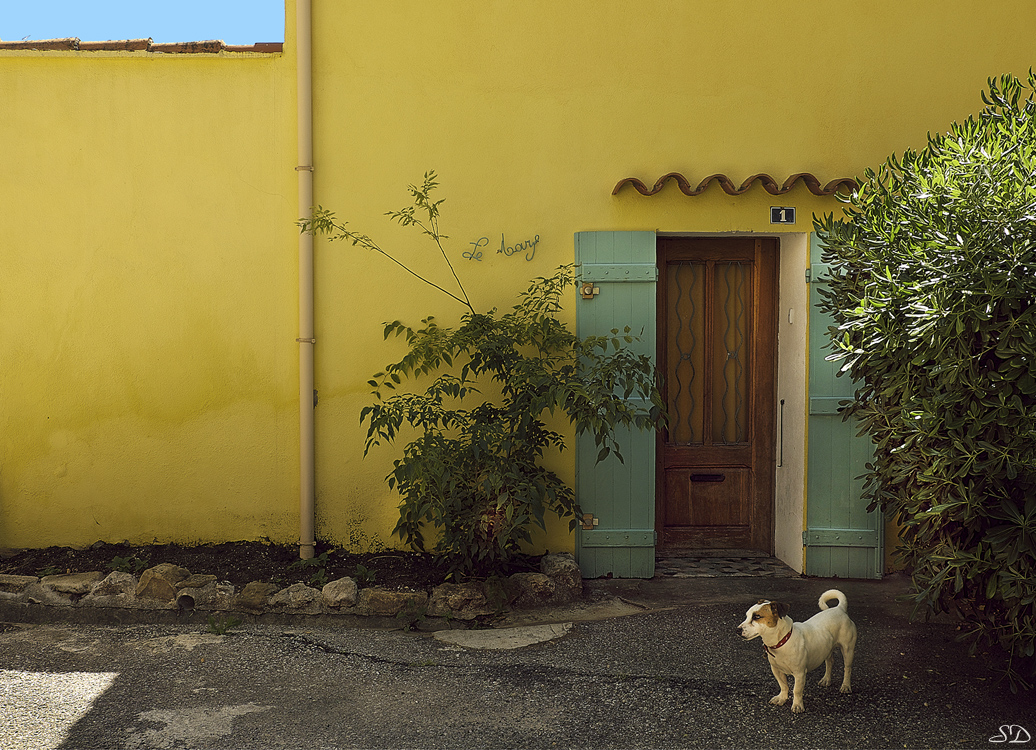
column 834, row 594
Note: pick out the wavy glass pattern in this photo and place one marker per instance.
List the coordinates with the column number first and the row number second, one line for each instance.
column 730, row 385
column 708, row 330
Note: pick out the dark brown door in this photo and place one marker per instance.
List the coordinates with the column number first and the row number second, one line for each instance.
column 717, row 339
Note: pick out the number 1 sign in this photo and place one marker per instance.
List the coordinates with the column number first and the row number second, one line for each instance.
column 782, row 215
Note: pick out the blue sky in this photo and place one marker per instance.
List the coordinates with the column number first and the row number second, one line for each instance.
column 233, row 21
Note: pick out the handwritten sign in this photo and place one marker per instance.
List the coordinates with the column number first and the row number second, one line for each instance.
column 526, row 247
column 476, row 253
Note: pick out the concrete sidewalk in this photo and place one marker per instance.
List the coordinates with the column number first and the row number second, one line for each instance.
column 652, row 664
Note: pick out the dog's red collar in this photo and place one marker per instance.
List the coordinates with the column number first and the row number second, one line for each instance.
column 770, row 649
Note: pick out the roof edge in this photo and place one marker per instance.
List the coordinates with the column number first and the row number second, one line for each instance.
column 73, row 44
column 770, row 185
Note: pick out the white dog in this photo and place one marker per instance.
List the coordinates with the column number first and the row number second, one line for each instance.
column 796, row 648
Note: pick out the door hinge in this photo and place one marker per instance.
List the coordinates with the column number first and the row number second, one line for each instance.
column 817, row 271
column 840, row 538
column 621, row 272
column 619, row 538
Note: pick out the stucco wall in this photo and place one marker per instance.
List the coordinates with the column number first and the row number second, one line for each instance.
column 147, row 356
column 148, row 310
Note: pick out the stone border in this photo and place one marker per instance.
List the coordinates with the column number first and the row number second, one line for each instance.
column 168, row 592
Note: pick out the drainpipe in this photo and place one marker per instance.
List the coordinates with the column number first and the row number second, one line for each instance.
column 307, row 394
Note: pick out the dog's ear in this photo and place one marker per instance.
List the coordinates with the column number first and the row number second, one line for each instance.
column 781, row 609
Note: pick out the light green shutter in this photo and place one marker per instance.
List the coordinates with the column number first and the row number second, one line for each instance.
column 621, row 496
column 842, row 539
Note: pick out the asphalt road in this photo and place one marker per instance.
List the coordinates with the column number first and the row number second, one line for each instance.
column 675, row 675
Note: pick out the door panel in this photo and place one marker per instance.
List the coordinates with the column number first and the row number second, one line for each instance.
column 717, row 326
column 708, row 496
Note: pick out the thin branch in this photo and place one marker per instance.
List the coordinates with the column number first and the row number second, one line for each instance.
column 430, row 283
column 324, row 221
column 434, row 234
column 329, row 225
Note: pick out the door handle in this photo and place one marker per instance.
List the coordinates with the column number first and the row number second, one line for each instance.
column 708, row 477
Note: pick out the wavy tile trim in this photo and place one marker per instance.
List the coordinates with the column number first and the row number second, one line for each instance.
column 769, row 184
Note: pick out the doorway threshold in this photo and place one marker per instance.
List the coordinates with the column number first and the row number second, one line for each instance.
column 704, row 552
column 710, row 566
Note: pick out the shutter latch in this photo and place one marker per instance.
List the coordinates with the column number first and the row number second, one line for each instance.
column 588, row 290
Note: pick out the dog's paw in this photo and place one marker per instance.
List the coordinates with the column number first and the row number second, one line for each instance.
column 779, row 700
column 798, row 708
column 824, row 681
column 846, row 689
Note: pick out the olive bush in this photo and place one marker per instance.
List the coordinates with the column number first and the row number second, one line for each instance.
column 934, row 297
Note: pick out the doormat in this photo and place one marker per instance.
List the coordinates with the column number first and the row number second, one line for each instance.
column 719, row 567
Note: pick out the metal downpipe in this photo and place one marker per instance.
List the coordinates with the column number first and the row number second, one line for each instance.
column 306, row 340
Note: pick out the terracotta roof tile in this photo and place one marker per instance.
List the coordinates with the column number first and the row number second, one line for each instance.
column 189, row 48
column 139, row 45
column 769, row 184
column 43, row 44
column 123, row 45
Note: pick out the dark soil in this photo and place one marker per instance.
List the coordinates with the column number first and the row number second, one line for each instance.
column 240, row 563
column 236, row 562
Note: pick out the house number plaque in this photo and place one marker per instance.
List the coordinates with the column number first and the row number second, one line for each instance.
column 782, row 215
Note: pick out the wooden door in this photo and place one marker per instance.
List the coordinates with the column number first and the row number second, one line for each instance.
column 717, row 351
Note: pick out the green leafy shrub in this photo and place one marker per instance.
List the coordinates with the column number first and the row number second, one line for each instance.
column 934, row 296
column 474, row 474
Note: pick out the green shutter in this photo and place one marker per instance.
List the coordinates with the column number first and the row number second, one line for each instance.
column 842, row 539
column 621, row 496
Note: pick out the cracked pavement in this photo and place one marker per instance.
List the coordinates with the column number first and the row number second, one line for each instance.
column 672, row 675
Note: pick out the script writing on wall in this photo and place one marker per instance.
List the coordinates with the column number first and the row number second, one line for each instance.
column 526, row 248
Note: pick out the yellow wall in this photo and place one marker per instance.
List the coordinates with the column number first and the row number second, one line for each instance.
column 531, row 112
column 148, row 307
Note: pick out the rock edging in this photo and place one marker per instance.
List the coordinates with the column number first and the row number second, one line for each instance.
column 168, row 587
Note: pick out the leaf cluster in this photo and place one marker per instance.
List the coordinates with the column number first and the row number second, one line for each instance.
column 222, row 625
column 933, row 291
column 128, row 564
column 475, row 474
